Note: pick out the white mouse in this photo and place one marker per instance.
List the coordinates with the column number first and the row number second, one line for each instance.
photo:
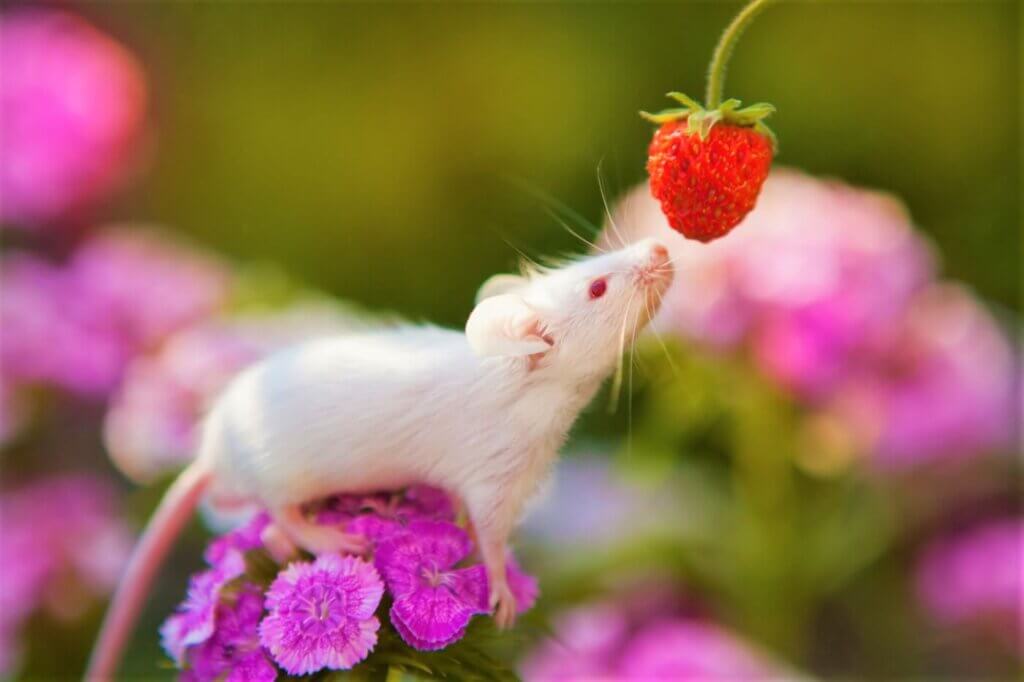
column 480, row 414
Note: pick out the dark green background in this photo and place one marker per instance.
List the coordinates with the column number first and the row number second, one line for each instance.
column 376, row 150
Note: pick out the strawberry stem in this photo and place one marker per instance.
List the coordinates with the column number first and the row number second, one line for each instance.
column 716, row 73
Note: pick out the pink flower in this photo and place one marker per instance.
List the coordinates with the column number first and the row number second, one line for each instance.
column 434, row 601
column 585, row 646
column 524, row 586
column 976, row 576
column 321, row 614
column 831, row 291
column 193, row 622
column 601, row 642
column 690, row 651
column 71, row 104
column 76, row 325
column 818, row 267
column 938, row 383
column 55, row 531
column 233, row 652
column 47, row 336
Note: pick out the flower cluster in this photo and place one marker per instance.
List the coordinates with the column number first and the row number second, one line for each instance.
column 62, row 545
column 307, row 614
column 71, row 105
column 75, row 325
column 832, row 293
column 604, row 641
column 977, row 576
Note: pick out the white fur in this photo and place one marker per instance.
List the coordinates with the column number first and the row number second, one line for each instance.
column 382, row 409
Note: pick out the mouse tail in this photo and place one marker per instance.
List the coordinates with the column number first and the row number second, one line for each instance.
column 170, row 518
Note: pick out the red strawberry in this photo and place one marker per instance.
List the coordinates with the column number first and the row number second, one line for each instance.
column 707, row 167
column 707, row 186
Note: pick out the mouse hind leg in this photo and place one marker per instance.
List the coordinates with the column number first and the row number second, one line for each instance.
column 316, row 538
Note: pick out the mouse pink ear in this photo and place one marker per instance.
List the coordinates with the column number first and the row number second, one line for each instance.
column 504, row 326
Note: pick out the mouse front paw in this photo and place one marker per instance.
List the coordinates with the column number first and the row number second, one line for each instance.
column 503, row 605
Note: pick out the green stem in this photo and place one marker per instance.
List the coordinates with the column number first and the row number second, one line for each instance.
column 716, row 73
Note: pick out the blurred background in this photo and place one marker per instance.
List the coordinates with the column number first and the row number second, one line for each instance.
column 813, row 470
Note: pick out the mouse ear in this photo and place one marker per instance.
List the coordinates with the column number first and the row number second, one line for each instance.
column 504, row 326
column 499, row 284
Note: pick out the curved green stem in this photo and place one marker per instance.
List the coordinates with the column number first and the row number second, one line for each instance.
column 716, row 73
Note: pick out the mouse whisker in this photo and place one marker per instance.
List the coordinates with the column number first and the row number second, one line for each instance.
column 573, row 232
column 658, row 336
column 607, row 210
column 616, row 389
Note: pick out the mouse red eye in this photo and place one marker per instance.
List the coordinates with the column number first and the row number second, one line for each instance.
column 598, row 287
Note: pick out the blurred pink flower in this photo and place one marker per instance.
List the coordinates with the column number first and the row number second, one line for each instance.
column 817, row 267
column 71, row 103
column 832, row 292
column 598, row 642
column 55, row 532
column 938, row 382
column 150, row 427
column 977, row 576
column 75, row 325
column 586, row 646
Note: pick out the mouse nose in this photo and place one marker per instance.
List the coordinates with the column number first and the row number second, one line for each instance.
column 659, row 254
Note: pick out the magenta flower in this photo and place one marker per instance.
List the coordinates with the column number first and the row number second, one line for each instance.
column 233, row 652
column 378, row 516
column 71, row 104
column 321, row 614
column 237, row 542
column 433, row 601
column 976, row 576
column 193, row 622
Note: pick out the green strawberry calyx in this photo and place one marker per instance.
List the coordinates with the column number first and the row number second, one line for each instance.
column 699, row 120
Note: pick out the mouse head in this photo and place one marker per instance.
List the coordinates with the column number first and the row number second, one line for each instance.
column 577, row 318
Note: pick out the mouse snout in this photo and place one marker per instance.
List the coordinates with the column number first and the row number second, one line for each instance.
column 654, row 264
column 659, row 254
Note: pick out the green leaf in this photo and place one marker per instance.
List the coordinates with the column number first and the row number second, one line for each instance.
column 729, row 105
column 666, row 115
column 686, row 101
